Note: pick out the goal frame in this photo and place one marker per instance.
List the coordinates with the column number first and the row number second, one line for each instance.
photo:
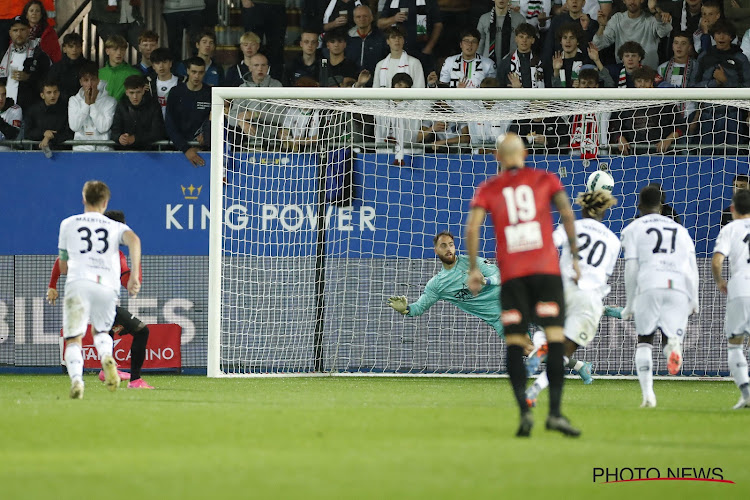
column 217, row 221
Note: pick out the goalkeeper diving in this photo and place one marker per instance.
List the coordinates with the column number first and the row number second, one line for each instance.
column 450, row 284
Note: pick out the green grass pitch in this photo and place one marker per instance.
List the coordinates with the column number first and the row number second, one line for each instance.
column 356, row 438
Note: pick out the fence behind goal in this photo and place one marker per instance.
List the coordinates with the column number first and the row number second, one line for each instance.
column 332, row 197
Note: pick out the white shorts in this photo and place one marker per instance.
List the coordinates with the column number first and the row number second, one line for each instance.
column 737, row 319
column 662, row 308
column 87, row 302
column 583, row 310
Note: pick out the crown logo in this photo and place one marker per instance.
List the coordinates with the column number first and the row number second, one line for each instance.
column 191, row 192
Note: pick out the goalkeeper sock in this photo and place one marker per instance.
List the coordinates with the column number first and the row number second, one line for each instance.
column 103, row 343
column 138, row 352
column 517, row 373
column 644, row 365
column 738, row 368
column 573, row 364
column 555, row 376
column 74, row 361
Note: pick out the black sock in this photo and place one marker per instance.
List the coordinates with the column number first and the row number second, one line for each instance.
column 555, row 376
column 138, row 352
column 517, row 373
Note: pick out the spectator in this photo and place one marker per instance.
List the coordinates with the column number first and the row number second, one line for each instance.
column 11, row 116
column 398, row 61
column 307, row 64
column 188, row 109
column 422, row 22
column 721, row 65
column 739, row 12
column 147, row 43
column 441, row 134
column 41, row 30
column 573, row 14
column 116, row 70
column 710, row 13
column 181, row 15
column 138, row 120
column 521, row 68
column 47, row 121
column 485, row 132
column 339, row 14
column 117, row 17
column 393, row 127
column 739, row 182
column 366, row 44
column 25, row 65
column 300, row 129
column 537, row 13
column 163, row 81
column 590, row 8
column 634, row 25
column 9, row 9
column 65, row 72
column 468, row 68
column 339, row 67
column 267, row 18
column 91, row 110
column 631, row 54
column 589, row 132
column 258, row 76
column 686, row 14
column 249, row 45
column 205, row 42
column 659, row 125
column 500, row 23
column 680, row 70
column 567, row 64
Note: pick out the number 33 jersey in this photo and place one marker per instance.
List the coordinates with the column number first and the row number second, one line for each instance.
column 665, row 253
column 598, row 250
column 92, row 242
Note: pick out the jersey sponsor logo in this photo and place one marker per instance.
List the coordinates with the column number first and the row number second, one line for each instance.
column 511, row 317
column 463, row 295
column 547, row 309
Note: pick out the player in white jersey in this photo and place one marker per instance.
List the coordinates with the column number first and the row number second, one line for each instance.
column 89, row 250
column 661, row 285
column 733, row 243
column 598, row 249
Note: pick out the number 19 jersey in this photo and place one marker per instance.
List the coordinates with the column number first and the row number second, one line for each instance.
column 734, row 243
column 92, row 242
column 519, row 202
column 664, row 250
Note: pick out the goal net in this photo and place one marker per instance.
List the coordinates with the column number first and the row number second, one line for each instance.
column 329, row 199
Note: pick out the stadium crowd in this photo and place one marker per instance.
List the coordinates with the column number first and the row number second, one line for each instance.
column 50, row 93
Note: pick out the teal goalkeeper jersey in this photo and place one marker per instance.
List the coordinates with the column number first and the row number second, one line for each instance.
column 450, row 285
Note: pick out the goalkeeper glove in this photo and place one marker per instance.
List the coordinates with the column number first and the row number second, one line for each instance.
column 626, row 313
column 613, row 311
column 399, row 304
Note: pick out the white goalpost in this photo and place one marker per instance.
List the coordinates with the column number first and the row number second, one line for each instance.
column 324, row 203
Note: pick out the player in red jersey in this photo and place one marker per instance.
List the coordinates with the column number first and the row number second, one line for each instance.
column 518, row 199
column 125, row 323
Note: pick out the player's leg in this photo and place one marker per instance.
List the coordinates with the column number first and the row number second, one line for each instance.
column 515, row 316
column 549, row 312
column 542, row 382
column 646, row 316
column 138, row 329
column 117, row 328
column 103, row 305
column 76, row 311
column 673, row 322
column 736, row 328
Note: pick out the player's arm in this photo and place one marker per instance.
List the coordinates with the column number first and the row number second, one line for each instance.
column 476, row 219
column 418, row 308
column 717, row 264
column 490, row 272
column 567, row 217
column 54, row 277
column 695, row 280
column 133, row 243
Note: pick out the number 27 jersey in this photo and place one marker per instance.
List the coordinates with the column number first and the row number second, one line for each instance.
column 664, row 251
column 92, row 241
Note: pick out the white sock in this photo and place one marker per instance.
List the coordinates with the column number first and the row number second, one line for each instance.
column 542, row 381
column 644, row 365
column 103, row 343
column 539, row 339
column 577, row 367
column 74, row 361
column 738, row 368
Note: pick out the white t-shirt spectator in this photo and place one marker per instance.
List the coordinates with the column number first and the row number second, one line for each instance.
column 162, row 91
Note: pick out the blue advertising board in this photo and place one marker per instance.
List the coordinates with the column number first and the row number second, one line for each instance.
column 271, row 206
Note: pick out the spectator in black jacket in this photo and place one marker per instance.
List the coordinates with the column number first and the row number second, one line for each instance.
column 307, row 64
column 188, row 108
column 366, row 45
column 340, row 68
column 25, row 64
column 47, row 121
column 65, row 72
column 249, row 45
column 138, row 122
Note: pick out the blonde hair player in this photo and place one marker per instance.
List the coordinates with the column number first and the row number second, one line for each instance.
column 89, row 251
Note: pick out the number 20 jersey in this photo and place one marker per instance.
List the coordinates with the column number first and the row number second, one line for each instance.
column 92, row 241
column 519, row 202
column 664, row 251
